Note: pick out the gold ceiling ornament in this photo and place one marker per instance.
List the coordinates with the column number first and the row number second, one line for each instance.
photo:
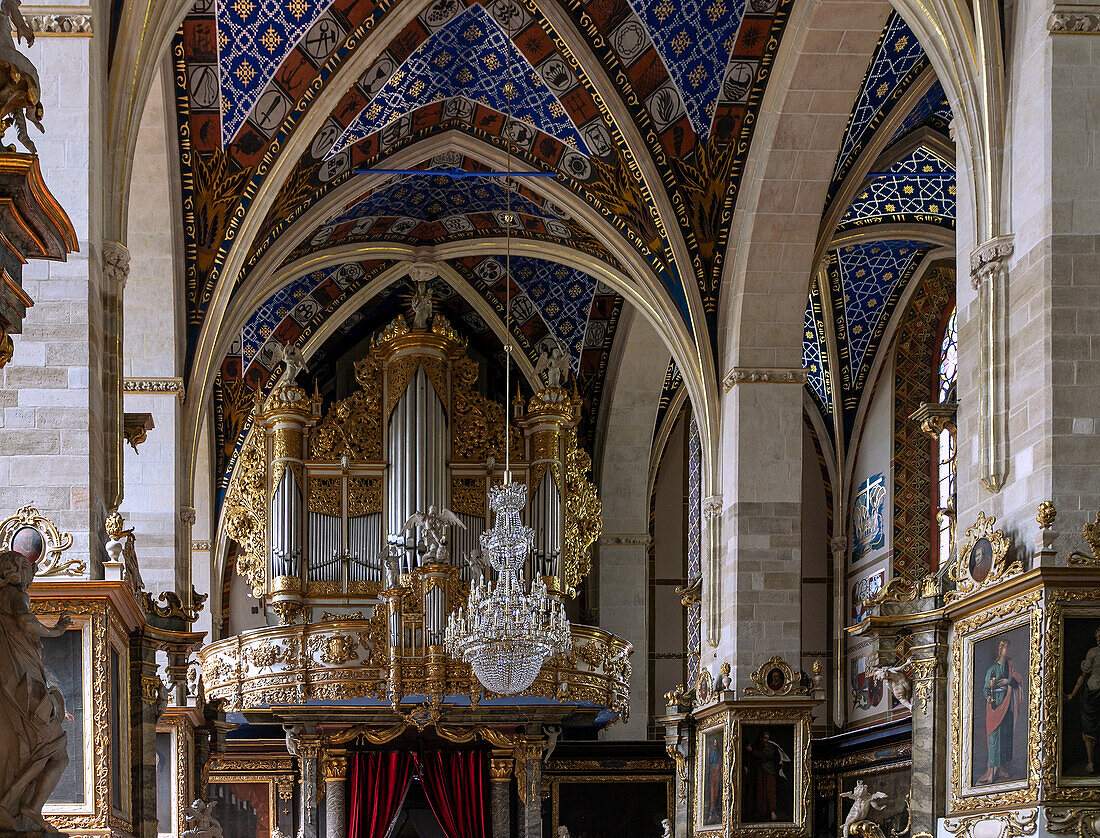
column 246, row 511
column 34, row 535
column 983, row 561
column 775, row 678
column 1091, row 533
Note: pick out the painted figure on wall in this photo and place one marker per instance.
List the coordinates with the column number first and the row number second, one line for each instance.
column 1084, row 701
column 868, row 518
column 766, row 764
column 1003, row 689
column 712, row 779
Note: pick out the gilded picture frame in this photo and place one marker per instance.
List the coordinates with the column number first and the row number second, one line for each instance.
column 1080, row 608
column 983, row 560
column 892, row 778
column 748, row 727
column 976, row 646
column 277, row 774
column 712, row 768
column 80, row 772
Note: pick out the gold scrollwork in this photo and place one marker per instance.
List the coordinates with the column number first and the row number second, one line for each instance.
column 1091, row 532
column 764, row 680
column 982, row 538
column 583, row 511
column 323, row 496
column 1084, row 823
column 246, row 511
column 923, row 671
column 50, row 562
column 353, row 426
column 468, row 495
column 1013, row 824
column 364, row 496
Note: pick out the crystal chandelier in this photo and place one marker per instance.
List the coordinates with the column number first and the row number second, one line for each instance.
column 505, row 633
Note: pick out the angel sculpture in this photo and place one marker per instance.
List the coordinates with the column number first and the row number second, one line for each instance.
column 391, row 567
column 20, row 92
column 897, row 682
column 553, row 734
column 862, row 802
column 433, row 530
column 295, row 362
column 478, row 564
column 555, row 363
column 292, row 732
column 666, row 826
column 200, row 821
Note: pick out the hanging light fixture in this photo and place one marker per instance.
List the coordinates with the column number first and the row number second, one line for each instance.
column 507, row 632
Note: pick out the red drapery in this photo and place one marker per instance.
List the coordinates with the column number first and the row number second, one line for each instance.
column 456, row 788
column 377, row 784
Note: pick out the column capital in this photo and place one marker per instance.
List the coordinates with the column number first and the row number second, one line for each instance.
column 500, row 769
column 712, row 506
column 116, row 262
column 990, row 257
column 334, row 768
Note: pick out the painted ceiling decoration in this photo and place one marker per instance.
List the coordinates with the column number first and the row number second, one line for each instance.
column 669, row 388
column 815, row 355
column 897, row 62
column 932, row 110
column 472, row 58
column 865, row 282
column 427, row 209
column 918, row 189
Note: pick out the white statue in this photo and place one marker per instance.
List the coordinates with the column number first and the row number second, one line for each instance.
column 478, row 564
column 555, row 363
column 433, row 530
column 20, row 92
column 723, row 682
column 666, row 826
column 391, row 565
column 292, row 732
column 553, row 734
column 897, row 682
column 200, row 821
column 33, row 751
column 295, row 362
column 862, row 802
column 563, row 831
column 421, row 305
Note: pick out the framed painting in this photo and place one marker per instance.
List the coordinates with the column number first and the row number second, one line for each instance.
column 996, row 704
column 1078, row 699
column 611, row 806
column 710, row 781
column 246, row 805
column 766, row 781
column 65, row 662
column 893, row 780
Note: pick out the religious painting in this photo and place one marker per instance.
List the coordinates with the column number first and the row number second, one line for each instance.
column 611, row 806
column 980, row 560
column 63, row 661
column 892, row 780
column 863, row 591
column 1080, row 727
column 869, row 518
column 999, row 686
column 768, row 773
column 712, row 775
column 245, row 806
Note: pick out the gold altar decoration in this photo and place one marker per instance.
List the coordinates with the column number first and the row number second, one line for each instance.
column 983, row 561
column 50, row 543
column 1091, row 533
column 775, row 678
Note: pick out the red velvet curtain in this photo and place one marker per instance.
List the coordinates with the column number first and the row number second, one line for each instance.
column 377, row 784
column 457, row 788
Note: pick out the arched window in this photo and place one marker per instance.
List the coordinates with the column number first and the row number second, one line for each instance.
column 948, row 371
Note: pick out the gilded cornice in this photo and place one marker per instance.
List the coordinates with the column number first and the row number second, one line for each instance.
column 170, row 386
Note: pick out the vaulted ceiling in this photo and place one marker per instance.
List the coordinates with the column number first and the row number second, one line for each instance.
column 326, row 143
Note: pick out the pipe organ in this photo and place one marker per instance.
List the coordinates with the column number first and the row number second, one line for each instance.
column 320, row 497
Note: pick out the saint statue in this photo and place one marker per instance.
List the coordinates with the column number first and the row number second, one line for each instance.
column 421, row 306
column 555, row 363
column 33, row 744
column 20, row 93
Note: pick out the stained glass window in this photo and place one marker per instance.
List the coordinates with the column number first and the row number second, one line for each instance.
column 948, row 370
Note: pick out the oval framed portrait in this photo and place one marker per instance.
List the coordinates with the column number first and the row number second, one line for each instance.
column 776, row 679
column 981, row 560
column 29, row 542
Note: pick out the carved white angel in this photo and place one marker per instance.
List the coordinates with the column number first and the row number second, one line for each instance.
column 391, row 565
column 200, row 821
column 897, row 682
column 666, row 826
column 295, row 362
column 862, row 802
column 433, row 530
column 555, row 363
column 478, row 564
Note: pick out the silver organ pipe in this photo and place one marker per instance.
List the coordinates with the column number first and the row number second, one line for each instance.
column 286, row 528
column 365, row 544
column 545, row 512
column 324, row 547
column 417, row 473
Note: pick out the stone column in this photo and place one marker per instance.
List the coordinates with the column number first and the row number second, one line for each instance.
column 309, row 750
column 759, row 592
column 500, row 785
column 678, row 745
column 929, row 653
column 116, row 270
column 336, row 815
column 528, row 755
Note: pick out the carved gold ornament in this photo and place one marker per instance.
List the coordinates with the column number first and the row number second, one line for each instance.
column 775, row 678
column 43, row 538
column 246, row 511
column 1013, row 824
column 1084, row 823
column 583, row 511
column 983, row 561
